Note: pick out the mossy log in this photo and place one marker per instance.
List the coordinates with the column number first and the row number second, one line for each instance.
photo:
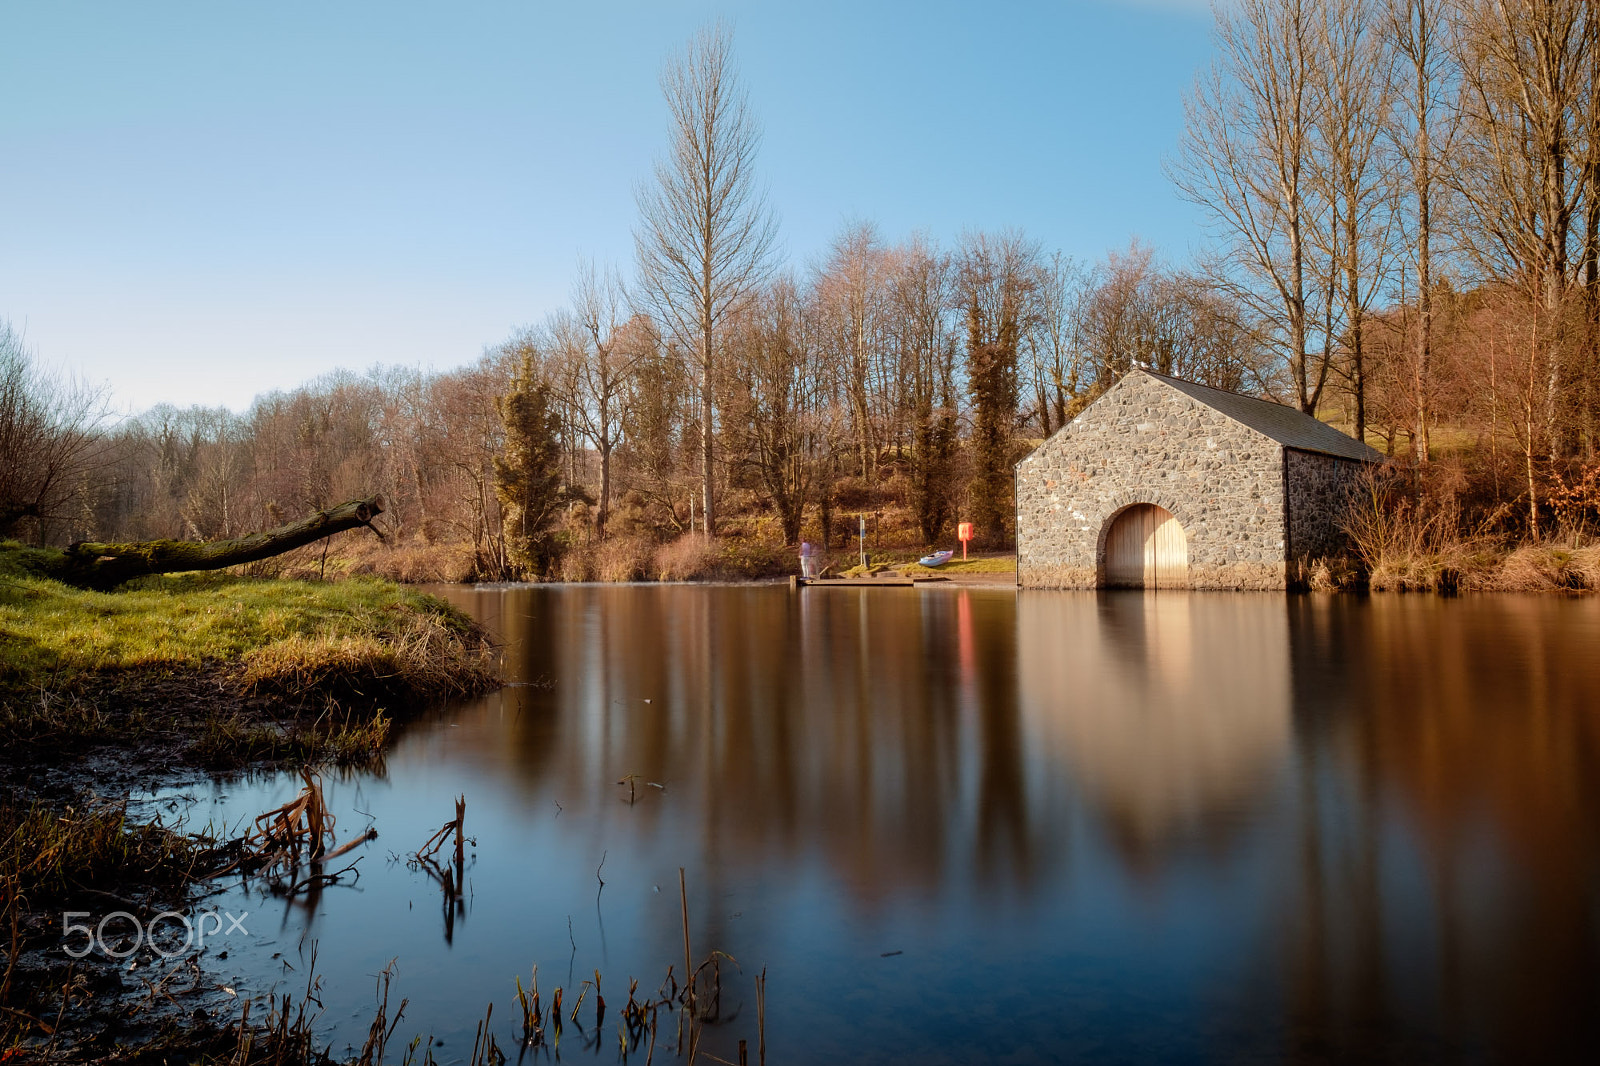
column 89, row 564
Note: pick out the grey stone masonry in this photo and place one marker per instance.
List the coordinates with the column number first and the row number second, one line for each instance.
column 1149, row 441
column 1320, row 491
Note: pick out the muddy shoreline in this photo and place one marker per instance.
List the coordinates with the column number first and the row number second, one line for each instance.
column 127, row 733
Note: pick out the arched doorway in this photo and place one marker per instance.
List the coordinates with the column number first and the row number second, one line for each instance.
column 1146, row 549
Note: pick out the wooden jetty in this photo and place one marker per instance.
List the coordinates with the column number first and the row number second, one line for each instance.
column 896, row 582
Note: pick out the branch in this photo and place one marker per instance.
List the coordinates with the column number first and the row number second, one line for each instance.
column 89, row 564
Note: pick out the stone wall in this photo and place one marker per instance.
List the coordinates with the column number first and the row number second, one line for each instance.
column 1146, row 442
column 1320, row 490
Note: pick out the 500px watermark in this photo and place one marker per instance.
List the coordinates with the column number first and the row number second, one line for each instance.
column 120, row 934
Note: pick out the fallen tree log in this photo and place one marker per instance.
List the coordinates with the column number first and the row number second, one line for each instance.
column 90, row 564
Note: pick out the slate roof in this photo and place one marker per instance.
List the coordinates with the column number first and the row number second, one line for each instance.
column 1288, row 426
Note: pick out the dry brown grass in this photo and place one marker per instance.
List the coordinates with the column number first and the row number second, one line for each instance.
column 1542, row 568
column 688, row 558
column 229, row 742
column 625, row 559
column 45, row 854
column 423, row 656
column 1410, row 545
column 1586, row 564
column 414, row 562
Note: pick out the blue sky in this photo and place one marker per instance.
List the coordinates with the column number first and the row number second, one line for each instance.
column 202, row 202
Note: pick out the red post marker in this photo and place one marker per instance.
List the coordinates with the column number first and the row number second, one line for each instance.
column 964, row 534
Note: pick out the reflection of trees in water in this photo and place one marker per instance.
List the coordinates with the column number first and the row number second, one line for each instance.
column 880, row 727
column 1423, row 772
column 1448, row 877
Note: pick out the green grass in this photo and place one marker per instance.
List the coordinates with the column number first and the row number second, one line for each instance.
column 52, row 634
column 1003, row 564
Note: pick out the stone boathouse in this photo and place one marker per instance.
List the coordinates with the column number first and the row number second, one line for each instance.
column 1162, row 483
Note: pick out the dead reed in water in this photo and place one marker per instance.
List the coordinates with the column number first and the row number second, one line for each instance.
column 279, row 838
column 693, row 1004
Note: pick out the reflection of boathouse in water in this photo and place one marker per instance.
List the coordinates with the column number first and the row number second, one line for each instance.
column 1173, row 714
column 1163, row 483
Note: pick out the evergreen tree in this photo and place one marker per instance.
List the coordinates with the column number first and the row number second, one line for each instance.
column 992, row 371
column 999, row 279
column 527, row 475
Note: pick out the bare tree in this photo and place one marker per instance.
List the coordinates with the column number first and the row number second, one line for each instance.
column 657, row 450
column 1351, row 83
column 920, row 302
column 1422, row 129
column 1138, row 312
column 1523, row 66
column 48, row 442
column 1245, row 157
column 774, row 371
column 851, row 290
column 1589, row 127
column 1126, row 316
column 595, row 360
column 706, row 237
column 1055, row 344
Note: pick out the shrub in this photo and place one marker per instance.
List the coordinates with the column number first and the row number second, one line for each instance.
column 575, row 564
column 748, row 560
column 691, row 557
column 625, row 559
column 1405, row 542
column 853, row 494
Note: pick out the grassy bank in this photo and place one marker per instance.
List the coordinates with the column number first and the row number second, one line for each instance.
column 1467, row 565
column 282, row 633
column 987, row 564
column 1408, row 537
column 102, row 693
column 223, row 656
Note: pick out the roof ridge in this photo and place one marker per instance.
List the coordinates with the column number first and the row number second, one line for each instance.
column 1288, row 426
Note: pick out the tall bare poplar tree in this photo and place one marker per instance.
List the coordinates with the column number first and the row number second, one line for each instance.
column 705, row 237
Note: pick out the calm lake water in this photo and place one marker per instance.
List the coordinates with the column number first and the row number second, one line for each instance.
column 983, row 825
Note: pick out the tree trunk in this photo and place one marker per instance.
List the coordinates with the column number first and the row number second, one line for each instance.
column 1424, row 195
column 604, row 513
column 103, row 566
column 708, row 509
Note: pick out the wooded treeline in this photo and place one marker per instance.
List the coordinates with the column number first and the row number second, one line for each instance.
column 1406, row 195
column 882, row 379
column 1404, row 199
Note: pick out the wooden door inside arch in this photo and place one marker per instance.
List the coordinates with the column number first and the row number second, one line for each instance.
column 1146, row 549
